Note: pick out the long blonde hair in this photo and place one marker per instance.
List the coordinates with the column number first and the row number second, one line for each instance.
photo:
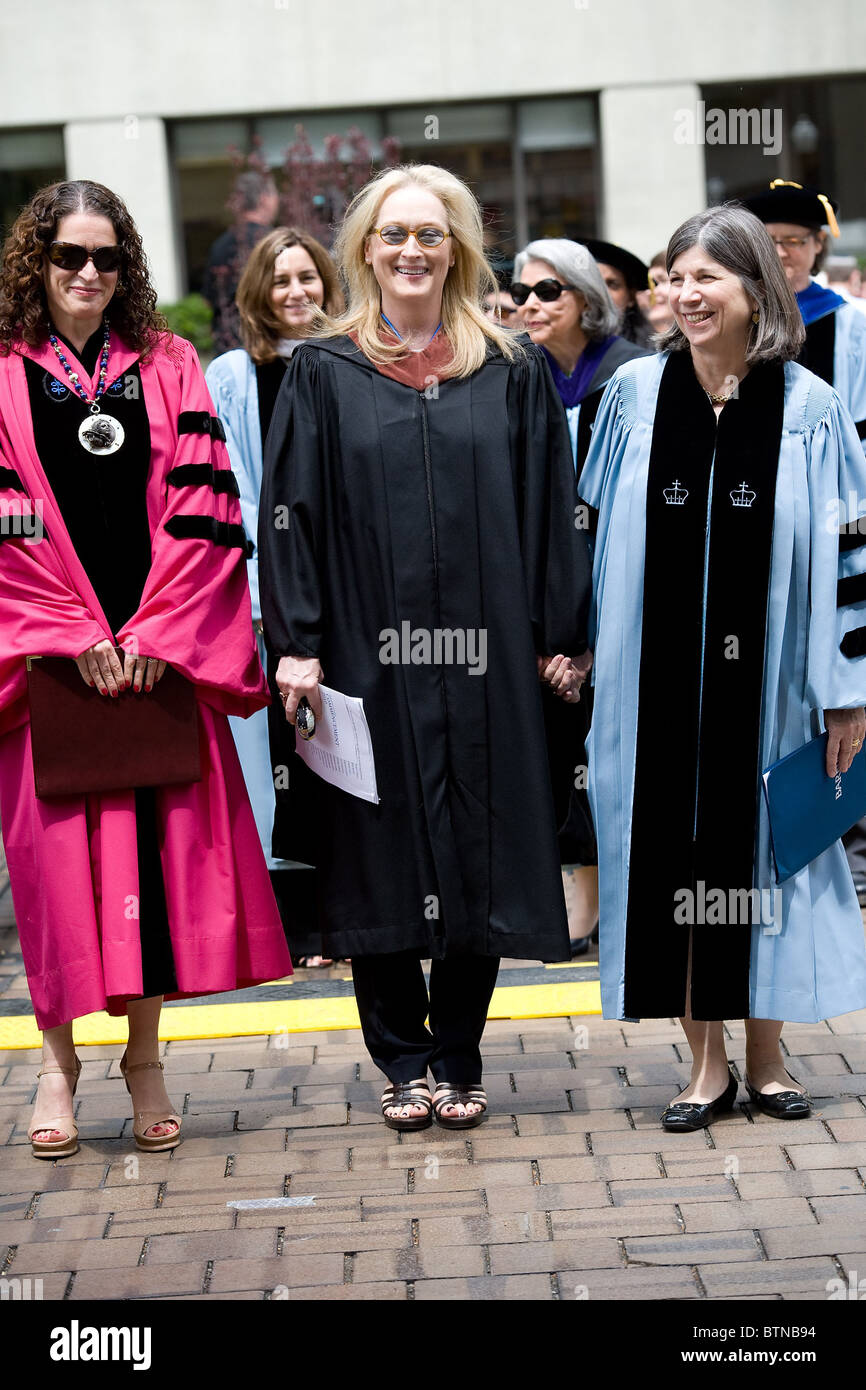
column 463, row 320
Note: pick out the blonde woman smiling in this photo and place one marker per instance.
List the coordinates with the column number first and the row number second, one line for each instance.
column 423, row 460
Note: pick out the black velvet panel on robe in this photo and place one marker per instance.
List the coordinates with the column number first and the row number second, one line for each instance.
column 102, row 501
column 453, row 510
column 709, row 529
column 269, row 379
column 819, row 347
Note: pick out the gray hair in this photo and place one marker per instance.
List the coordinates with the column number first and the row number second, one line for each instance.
column 739, row 241
column 575, row 266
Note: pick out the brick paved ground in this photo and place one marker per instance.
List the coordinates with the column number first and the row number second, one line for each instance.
column 570, row 1189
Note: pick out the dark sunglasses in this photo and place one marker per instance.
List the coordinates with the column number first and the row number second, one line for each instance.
column 546, row 290
column 68, row 255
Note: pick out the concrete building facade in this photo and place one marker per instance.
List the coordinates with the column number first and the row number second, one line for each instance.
column 617, row 95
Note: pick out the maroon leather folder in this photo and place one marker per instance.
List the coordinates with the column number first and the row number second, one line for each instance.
column 86, row 742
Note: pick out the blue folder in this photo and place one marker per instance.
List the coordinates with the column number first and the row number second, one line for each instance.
column 808, row 810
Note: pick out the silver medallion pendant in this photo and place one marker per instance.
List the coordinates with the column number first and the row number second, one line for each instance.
column 100, row 434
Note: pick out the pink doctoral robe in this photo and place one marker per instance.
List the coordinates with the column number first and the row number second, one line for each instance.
column 73, row 865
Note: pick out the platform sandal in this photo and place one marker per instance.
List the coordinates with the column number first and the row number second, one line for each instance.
column 143, row 1120
column 401, row 1093
column 450, row 1093
column 63, row 1124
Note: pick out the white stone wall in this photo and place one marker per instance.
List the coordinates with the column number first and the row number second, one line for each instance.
column 102, row 72
column 131, row 158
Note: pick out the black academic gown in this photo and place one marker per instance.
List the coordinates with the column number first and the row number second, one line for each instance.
column 450, row 509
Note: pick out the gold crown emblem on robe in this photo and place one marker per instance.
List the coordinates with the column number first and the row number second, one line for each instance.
column 675, row 496
column 742, row 496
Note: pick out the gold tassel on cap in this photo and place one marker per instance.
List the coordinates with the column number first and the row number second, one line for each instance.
column 822, row 198
column 831, row 216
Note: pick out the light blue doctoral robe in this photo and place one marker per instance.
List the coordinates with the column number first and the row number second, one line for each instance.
column 231, row 380
column 814, row 967
column 849, row 361
column 849, row 351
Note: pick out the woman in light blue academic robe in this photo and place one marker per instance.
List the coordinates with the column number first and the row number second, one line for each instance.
column 231, row 380
column 287, row 274
column 722, row 643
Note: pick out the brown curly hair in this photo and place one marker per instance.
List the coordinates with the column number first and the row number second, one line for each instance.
column 23, row 307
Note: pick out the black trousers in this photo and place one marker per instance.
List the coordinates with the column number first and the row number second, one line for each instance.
column 392, row 999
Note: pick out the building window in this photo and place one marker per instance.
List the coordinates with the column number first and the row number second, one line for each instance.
column 811, row 134
column 204, row 171
column 29, row 159
column 533, row 164
column 558, row 150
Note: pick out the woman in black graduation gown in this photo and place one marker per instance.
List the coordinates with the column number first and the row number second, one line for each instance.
column 417, row 548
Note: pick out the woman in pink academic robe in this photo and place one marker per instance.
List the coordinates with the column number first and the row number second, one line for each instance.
column 129, row 536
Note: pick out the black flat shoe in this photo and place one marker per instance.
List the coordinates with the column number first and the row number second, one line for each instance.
column 784, row 1105
column 684, row 1115
column 580, row 947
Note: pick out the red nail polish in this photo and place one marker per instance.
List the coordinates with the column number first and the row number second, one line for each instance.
column 148, row 687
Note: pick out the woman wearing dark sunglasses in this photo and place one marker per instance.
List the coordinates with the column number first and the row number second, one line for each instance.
column 566, row 309
column 417, row 548
column 107, row 433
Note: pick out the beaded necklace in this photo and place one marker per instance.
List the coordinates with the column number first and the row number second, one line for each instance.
column 98, row 433
column 73, row 376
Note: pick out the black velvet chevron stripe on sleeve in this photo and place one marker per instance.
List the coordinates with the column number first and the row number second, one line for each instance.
column 207, row 528
column 200, row 422
column 219, row 479
column 854, row 642
column 852, row 536
column 852, row 589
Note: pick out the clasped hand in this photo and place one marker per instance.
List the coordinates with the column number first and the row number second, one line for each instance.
column 565, row 675
column 100, row 666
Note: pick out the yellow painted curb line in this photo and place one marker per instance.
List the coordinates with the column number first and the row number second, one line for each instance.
column 546, row 1001
column 295, row 1016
